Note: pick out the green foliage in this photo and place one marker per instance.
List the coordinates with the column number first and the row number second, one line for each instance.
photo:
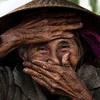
column 75, row 1
column 93, row 4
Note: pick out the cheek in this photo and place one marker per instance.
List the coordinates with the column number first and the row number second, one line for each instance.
column 37, row 56
column 74, row 58
column 73, row 61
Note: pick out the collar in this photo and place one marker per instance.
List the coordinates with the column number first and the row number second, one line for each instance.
column 30, row 88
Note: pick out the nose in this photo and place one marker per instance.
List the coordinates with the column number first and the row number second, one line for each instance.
column 54, row 60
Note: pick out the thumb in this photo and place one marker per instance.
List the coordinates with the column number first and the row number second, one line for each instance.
column 65, row 58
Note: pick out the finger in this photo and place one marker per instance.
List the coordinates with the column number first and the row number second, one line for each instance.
column 53, row 21
column 53, row 32
column 45, row 65
column 51, row 84
column 33, row 72
column 73, row 26
column 73, row 19
column 62, row 27
column 53, row 87
column 39, row 70
column 31, row 18
column 55, row 76
column 58, row 21
column 41, row 79
column 27, row 64
column 65, row 59
column 52, row 71
column 66, row 62
column 50, row 31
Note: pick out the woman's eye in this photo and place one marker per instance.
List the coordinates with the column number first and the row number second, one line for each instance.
column 66, row 46
column 41, row 49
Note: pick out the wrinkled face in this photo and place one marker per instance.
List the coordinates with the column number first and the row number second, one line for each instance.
column 55, row 50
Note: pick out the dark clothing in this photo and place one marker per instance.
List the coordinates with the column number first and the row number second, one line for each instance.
column 15, row 85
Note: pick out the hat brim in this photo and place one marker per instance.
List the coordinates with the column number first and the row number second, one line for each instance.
column 13, row 18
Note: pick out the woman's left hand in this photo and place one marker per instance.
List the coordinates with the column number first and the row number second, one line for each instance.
column 57, row 79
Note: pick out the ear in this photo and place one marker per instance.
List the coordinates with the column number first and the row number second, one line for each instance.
column 23, row 52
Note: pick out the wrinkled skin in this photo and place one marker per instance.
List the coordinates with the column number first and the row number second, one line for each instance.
column 52, row 65
column 58, row 76
column 37, row 30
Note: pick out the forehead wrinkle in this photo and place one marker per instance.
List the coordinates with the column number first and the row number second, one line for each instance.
column 66, row 41
column 61, row 41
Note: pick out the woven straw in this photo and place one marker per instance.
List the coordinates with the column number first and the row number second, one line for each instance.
column 16, row 15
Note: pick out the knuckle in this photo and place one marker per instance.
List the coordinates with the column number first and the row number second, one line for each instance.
column 61, row 72
column 54, row 85
column 57, row 78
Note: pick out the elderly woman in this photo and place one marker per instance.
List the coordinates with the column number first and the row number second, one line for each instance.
column 58, row 55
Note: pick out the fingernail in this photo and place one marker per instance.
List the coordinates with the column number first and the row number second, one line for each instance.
column 34, row 61
column 25, row 69
column 27, row 64
column 23, row 63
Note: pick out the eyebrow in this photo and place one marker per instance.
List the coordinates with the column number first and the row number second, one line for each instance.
column 68, row 41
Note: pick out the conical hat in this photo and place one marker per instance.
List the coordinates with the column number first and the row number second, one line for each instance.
column 14, row 17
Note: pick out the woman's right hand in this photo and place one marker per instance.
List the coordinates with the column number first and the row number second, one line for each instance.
column 32, row 31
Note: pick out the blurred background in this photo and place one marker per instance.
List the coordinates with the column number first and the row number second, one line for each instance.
column 93, row 5
column 8, row 5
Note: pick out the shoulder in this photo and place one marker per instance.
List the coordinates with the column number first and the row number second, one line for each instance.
column 6, row 75
column 6, row 79
column 6, row 71
column 90, row 75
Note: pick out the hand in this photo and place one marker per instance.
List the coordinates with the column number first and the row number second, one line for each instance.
column 60, row 80
column 42, row 29
column 38, row 30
